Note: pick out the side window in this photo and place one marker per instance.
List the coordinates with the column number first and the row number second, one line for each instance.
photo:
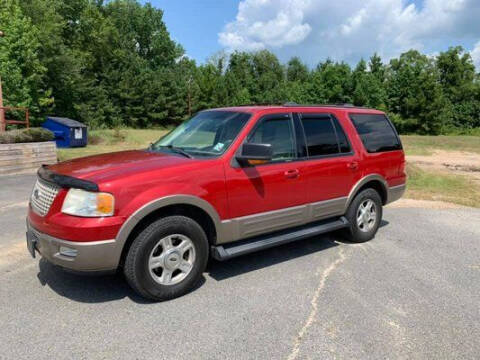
column 376, row 132
column 342, row 138
column 279, row 134
column 320, row 134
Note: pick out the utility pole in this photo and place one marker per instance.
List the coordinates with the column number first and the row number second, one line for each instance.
column 2, row 111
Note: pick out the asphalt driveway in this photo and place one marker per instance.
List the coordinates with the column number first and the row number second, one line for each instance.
column 412, row 292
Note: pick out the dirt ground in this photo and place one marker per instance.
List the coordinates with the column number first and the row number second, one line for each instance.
column 453, row 162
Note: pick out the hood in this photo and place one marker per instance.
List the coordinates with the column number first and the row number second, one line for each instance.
column 98, row 168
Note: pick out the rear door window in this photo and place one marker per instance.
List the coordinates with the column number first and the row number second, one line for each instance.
column 376, row 132
column 324, row 135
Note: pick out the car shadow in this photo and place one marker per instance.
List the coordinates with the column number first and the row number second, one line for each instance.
column 89, row 289
column 219, row 270
column 343, row 240
column 106, row 288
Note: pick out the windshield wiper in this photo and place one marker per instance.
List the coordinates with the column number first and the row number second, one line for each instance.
column 179, row 150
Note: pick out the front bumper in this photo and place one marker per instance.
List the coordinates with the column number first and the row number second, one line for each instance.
column 95, row 256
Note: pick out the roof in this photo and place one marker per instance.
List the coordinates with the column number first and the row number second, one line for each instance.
column 66, row 121
column 291, row 107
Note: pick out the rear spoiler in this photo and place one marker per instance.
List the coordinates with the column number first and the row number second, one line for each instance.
column 65, row 181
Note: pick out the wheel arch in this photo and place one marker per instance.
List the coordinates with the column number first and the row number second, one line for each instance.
column 187, row 205
column 374, row 181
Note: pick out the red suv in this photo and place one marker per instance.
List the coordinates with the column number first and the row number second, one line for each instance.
column 226, row 183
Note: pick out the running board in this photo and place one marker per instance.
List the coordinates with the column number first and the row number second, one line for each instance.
column 238, row 248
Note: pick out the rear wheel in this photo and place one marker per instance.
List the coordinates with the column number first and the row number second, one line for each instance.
column 167, row 258
column 364, row 215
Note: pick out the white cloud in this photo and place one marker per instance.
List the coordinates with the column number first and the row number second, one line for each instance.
column 266, row 23
column 351, row 29
column 475, row 53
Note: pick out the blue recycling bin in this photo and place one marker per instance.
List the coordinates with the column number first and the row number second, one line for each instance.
column 68, row 132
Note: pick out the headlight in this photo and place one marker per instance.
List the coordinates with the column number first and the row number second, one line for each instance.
column 89, row 204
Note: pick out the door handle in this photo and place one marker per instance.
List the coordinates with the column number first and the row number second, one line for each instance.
column 292, row 174
column 353, row 165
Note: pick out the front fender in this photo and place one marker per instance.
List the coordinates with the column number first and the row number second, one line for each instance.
column 162, row 202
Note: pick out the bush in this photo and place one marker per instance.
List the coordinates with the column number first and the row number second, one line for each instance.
column 26, row 136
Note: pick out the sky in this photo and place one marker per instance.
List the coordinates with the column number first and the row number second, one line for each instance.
column 314, row 30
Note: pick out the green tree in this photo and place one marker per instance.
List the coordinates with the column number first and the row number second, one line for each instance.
column 415, row 94
column 367, row 87
column 113, row 63
column 297, row 71
column 269, row 78
column 458, row 80
column 456, row 74
column 377, row 68
column 239, row 78
column 331, row 83
column 22, row 73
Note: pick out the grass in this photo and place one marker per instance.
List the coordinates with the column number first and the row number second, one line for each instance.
column 429, row 185
column 425, row 145
column 103, row 141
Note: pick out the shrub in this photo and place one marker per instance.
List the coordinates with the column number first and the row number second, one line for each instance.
column 26, row 136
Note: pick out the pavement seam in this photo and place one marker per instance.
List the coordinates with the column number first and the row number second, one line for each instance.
column 314, row 303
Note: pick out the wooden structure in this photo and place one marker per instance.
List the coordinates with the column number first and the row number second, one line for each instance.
column 4, row 122
column 15, row 158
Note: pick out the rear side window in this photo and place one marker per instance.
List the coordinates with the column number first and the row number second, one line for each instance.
column 376, row 132
column 320, row 134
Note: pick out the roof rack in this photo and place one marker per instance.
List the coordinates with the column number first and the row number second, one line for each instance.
column 261, row 104
column 294, row 104
column 341, row 105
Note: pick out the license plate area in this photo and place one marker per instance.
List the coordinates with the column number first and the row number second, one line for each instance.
column 31, row 243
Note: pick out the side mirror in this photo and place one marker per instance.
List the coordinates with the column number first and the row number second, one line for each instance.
column 255, row 154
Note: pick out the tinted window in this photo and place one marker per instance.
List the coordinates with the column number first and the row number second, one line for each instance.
column 376, row 132
column 320, row 134
column 278, row 133
column 342, row 138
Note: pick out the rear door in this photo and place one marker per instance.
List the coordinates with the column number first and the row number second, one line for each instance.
column 332, row 167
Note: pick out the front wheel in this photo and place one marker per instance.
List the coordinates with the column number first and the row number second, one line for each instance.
column 167, row 258
column 364, row 215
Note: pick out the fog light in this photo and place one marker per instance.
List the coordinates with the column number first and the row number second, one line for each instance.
column 65, row 251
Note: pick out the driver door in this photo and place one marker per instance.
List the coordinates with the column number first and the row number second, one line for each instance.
column 265, row 198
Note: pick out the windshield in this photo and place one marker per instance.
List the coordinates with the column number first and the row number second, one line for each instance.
column 209, row 133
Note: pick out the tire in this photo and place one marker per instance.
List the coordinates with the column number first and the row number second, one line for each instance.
column 156, row 263
column 357, row 232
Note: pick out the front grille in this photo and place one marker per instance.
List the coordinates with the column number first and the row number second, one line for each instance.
column 42, row 197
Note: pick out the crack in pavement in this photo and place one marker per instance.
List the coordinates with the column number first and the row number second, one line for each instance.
column 314, row 303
